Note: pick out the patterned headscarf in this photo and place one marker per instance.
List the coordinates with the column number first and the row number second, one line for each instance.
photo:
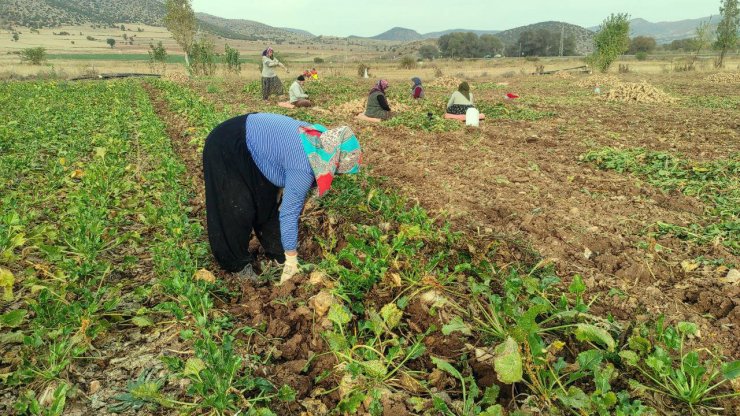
column 464, row 89
column 330, row 152
column 381, row 86
column 267, row 51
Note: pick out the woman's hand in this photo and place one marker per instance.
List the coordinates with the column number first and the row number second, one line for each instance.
column 290, row 268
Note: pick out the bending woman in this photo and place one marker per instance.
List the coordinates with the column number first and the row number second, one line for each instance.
column 247, row 160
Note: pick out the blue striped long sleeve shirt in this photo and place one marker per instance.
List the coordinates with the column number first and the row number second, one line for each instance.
column 274, row 142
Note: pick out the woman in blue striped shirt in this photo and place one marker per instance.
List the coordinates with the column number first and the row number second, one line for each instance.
column 247, row 160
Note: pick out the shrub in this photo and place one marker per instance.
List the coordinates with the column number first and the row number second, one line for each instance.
column 361, row 70
column 641, row 56
column 35, row 56
column 408, row 62
column 318, row 60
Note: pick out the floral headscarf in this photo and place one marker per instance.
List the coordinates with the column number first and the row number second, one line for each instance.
column 330, row 152
column 381, row 86
column 267, row 51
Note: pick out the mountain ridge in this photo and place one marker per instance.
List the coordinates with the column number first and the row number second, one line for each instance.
column 667, row 31
column 54, row 13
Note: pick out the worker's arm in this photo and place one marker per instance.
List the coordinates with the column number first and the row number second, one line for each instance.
column 383, row 102
column 297, row 185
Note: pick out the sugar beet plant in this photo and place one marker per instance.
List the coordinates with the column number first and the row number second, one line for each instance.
column 715, row 183
column 106, row 174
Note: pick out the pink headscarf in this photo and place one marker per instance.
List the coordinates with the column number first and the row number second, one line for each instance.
column 381, row 86
column 267, row 51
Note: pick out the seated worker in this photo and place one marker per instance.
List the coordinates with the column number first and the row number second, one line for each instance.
column 298, row 97
column 460, row 100
column 377, row 105
column 314, row 74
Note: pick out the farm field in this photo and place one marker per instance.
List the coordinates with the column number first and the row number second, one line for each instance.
column 573, row 255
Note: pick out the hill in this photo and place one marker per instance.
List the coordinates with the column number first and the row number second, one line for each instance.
column 666, row 32
column 435, row 35
column 584, row 37
column 52, row 13
column 247, row 29
column 399, row 34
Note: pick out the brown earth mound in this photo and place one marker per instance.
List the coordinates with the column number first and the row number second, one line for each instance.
column 725, row 78
column 638, row 93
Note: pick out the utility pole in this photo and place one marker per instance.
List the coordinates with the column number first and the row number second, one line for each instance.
column 562, row 36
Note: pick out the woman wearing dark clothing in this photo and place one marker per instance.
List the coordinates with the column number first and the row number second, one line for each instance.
column 377, row 104
column 247, row 160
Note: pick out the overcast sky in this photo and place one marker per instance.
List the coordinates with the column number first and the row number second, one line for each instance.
column 370, row 18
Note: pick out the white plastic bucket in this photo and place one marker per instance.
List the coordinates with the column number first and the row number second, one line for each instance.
column 471, row 117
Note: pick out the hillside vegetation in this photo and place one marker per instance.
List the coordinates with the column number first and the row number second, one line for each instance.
column 52, row 13
column 583, row 37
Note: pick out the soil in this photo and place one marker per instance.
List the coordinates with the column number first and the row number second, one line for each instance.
column 523, row 180
column 520, row 184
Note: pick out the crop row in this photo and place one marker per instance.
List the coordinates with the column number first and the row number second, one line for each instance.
column 97, row 244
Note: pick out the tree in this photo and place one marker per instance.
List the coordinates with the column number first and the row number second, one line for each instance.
column 727, row 37
column 681, row 45
column 231, row 58
column 428, row 52
column 157, row 53
column 490, row 45
column 15, row 37
column 468, row 45
column 203, row 56
column 645, row 44
column 111, row 42
column 34, row 55
column 701, row 41
column 611, row 41
column 542, row 42
column 180, row 21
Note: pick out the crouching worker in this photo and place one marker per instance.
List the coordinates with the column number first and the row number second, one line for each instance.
column 298, row 97
column 247, row 161
column 377, row 105
column 460, row 100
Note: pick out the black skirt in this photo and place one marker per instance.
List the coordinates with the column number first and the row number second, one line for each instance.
column 458, row 108
column 239, row 199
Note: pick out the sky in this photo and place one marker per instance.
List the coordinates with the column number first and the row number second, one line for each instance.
column 370, row 18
